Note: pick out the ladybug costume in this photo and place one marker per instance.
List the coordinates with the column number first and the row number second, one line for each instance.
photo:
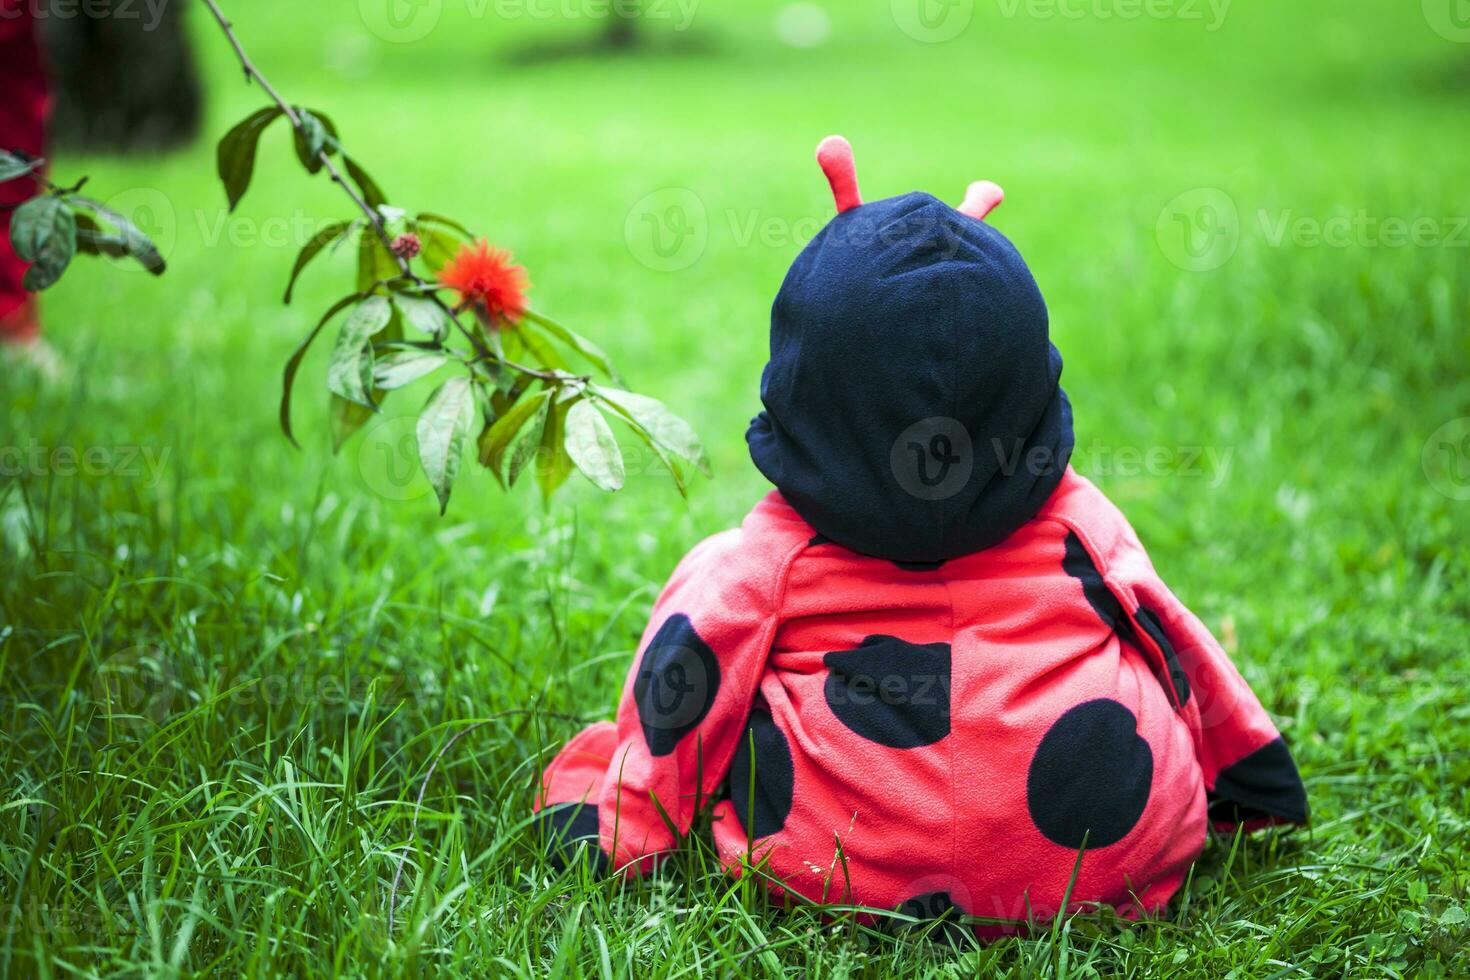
column 934, row 670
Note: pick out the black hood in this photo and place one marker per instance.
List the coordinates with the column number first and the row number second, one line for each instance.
column 913, row 410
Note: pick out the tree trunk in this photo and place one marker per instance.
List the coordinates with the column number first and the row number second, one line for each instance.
column 621, row 31
column 125, row 78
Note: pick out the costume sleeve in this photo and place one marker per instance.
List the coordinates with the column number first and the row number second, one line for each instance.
column 1249, row 773
column 683, row 707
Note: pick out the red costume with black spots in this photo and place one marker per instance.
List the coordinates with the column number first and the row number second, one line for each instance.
column 935, row 664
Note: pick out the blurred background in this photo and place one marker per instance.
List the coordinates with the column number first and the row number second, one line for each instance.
column 1248, row 219
column 1188, row 180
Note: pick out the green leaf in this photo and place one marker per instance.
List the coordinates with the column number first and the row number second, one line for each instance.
column 553, row 465
column 1418, row 891
column 295, row 363
column 576, row 342
column 423, row 315
column 442, row 427
column 349, row 372
column 528, row 446
column 12, row 166
column 674, row 465
column 592, row 447
column 429, row 218
column 43, row 231
column 315, row 134
column 121, row 247
column 347, row 417
column 133, row 242
column 497, row 437
column 405, row 367
column 236, row 152
column 665, row 428
column 141, row 248
column 33, row 224
column 327, row 236
column 540, row 350
column 371, row 192
column 92, row 240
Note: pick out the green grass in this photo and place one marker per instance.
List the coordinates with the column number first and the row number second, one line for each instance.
column 222, row 680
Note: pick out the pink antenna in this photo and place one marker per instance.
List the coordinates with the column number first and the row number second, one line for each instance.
column 981, row 198
column 834, row 154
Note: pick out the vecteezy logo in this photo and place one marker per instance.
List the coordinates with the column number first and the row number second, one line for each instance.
column 135, row 686
column 667, row 693
column 388, row 459
column 1446, row 459
column 1199, row 230
column 942, row 450
column 1450, row 19
column 932, row 459
column 400, row 21
column 932, row 21
column 668, row 229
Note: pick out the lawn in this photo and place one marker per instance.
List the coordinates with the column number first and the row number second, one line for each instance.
column 227, row 665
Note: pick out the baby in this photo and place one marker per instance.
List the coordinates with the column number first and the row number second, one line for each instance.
column 934, row 670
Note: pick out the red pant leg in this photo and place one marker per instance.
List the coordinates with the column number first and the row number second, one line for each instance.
column 22, row 128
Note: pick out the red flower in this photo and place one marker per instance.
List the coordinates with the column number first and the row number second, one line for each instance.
column 486, row 279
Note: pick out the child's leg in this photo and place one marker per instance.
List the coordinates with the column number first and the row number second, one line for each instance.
column 22, row 128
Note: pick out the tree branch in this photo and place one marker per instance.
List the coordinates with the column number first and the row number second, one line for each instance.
column 375, row 219
column 253, row 73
